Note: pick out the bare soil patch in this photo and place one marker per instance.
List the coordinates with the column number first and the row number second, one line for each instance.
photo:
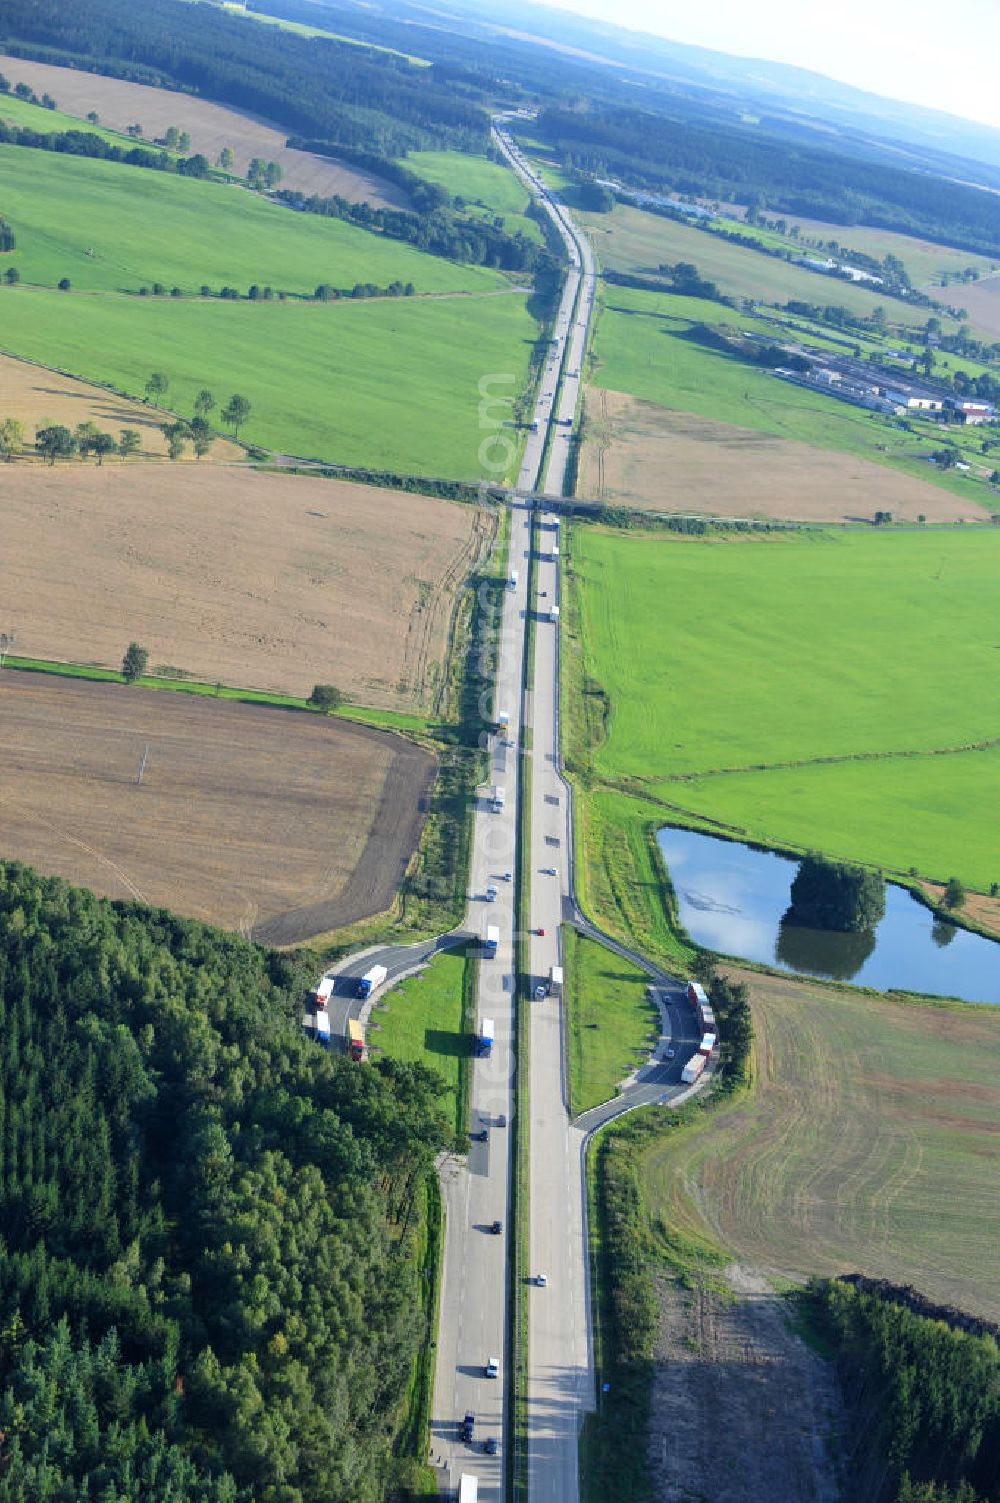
column 742, row 1410
column 273, row 582
column 641, row 455
column 210, row 126
column 277, row 823
column 36, row 397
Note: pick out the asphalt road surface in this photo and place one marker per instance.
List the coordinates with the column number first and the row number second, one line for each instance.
column 473, row 1314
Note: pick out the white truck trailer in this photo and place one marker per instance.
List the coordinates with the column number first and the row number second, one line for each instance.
column 693, row 1069
column 372, row 980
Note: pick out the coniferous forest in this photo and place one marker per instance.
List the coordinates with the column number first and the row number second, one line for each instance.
column 208, row 1272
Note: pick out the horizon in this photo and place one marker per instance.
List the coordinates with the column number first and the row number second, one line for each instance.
column 906, row 55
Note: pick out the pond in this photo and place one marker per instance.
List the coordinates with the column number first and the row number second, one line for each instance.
column 732, row 898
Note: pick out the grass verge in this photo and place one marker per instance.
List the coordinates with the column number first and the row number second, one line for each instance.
column 417, row 1480
column 425, row 1020
column 627, row 1244
column 612, row 1023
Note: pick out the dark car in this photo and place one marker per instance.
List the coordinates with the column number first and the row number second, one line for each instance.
column 468, row 1425
column 483, row 1136
column 492, row 1446
column 496, row 1228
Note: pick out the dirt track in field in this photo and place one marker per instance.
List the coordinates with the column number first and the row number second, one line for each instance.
column 231, row 576
column 210, row 126
column 36, row 397
column 742, row 1411
column 641, row 455
column 277, row 823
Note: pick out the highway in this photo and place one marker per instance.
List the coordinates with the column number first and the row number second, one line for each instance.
column 473, row 1313
column 561, row 1380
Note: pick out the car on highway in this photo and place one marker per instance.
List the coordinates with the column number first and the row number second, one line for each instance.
column 468, row 1425
column 541, row 1279
column 671, row 1052
column 492, row 1368
column 496, row 1228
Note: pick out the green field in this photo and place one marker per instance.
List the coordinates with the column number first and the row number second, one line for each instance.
column 631, row 240
column 613, row 1027
column 422, row 1022
column 486, row 185
column 110, row 227
column 302, row 30
column 388, row 382
column 775, row 664
column 646, row 345
column 868, row 1143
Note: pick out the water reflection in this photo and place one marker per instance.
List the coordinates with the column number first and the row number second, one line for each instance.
column 823, row 952
column 734, row 899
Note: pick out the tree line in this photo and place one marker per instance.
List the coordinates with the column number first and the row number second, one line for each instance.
column 650, row 149
column 209, row 1260
column 924, row 1398
column 444, row 231
column 56, row 441
column 311, row 86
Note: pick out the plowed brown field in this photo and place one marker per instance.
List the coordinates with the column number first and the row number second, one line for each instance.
column 641, row 455
column 36, row 397
column 274, row 582
column 210, row 126
column 280, row 824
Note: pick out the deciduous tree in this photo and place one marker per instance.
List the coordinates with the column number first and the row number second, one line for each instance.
column 236, row 412
column 11, row 438
column 55, row 442
column 134, row 662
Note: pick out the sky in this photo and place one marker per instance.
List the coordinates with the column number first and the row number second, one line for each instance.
column 939, row 53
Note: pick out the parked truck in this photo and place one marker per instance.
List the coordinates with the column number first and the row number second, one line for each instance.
column 498, row 799
column 355, row 1039
column 513, row 579
column 324, row 991
column 706, row 1018
column 693, row 1069
column 553, row 613
column 323, row 1029
column 491, row 941
column 696, row 994
column 707, row 1044
column 503, row 721
column 556, row 981
column 484, row 1041
column 468, row 1488
column 372, row 980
